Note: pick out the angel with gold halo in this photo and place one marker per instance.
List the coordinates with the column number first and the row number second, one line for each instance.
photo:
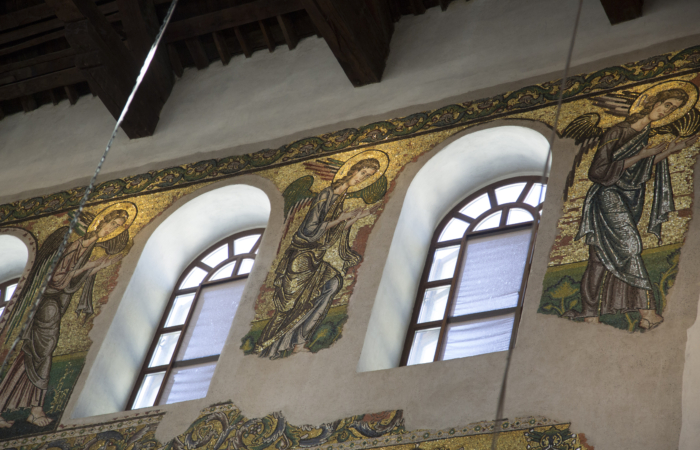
column 27, row 380
column 305, row 283
column 616, row 279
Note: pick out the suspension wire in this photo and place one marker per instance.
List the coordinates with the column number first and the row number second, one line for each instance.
column 91, row 185
column 533, row 235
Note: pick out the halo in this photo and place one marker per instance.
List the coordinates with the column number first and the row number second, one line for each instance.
column 380, row 156
column 689, row 88
column 129, row 207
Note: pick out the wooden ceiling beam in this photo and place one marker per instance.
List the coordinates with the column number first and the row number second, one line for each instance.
column 175, row 61
column 622, row 10
column 141, row 26
column 72, row 94
column 108, row 66
column 199, row 56
column 229, row 18
column 36, row 70
column 358, row 32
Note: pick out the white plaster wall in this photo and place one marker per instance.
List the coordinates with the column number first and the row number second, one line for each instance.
column 471, row 47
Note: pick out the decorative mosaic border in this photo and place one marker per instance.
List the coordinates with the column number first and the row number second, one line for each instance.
column 75, row 431
column 419, row 436
column 528, row 98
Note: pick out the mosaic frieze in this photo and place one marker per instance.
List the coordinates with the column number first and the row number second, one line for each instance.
column 225, row 427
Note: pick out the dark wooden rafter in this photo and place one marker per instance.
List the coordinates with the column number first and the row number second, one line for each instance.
column 358, row 32
column 290, row 37
column 267, row 35
column 63, row 49
column 109, row 67
column 622, row 10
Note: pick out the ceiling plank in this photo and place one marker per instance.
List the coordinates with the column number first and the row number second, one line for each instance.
column 42, row 83
column 25, row 16
column 290, row 36
column 37, row 69
column 175, row 61
column 243, row 42
column 28, row 103
column 358, row 34
column 72, row 94
column 108, row 66
column 229, row 18
column 267, row 35
column 619, row 11
column 199, row 56
column 222, row 48
column 36, row 60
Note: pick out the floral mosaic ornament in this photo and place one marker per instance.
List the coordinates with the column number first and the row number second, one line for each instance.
column 468, row 113
column 627, row 217
column 224, row 427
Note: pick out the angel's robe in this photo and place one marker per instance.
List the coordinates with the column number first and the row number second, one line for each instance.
column 616, row 279
column 27, row 379
column 305, row 283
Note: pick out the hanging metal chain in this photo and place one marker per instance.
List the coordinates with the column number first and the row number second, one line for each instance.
column 91, row 185
column 533, row 236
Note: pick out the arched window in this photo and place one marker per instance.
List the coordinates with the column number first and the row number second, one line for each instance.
column 7, row 289
column 189, row 339
column 473, row 281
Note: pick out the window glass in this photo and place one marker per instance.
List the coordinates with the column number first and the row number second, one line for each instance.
column 245, row 244
column 477, row 207
column 194, row 278
column 434, row 304
column 424, row 345
column 492, row 272
column 518, row 215
column 164, row 349
column 536, row 194
column 509, row 193
column 149, row 390
column 454, row 230
column 444, row 263
column 492, row 221
column 478, row 337
column 180, row 309
column 9, row 291
column 188, row 383
column 216, row 257
column 224, row 272
column 211, row 320
column 246, row 266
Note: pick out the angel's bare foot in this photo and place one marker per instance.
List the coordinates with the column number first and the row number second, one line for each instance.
column 649, row 319
column 6, row 423
column 595, row 319
column 300, row 348
column 38, row 417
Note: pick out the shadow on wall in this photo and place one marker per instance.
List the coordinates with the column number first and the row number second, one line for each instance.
column 185, row 233
column 456, row 171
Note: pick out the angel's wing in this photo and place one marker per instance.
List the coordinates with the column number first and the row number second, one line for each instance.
column 617, row 104
column 39, row 271
column 586, row 134
column 372, row 193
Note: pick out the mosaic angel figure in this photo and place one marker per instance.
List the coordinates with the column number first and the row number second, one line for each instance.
column 305, row 283
column 27, row 380
column 616, row 279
